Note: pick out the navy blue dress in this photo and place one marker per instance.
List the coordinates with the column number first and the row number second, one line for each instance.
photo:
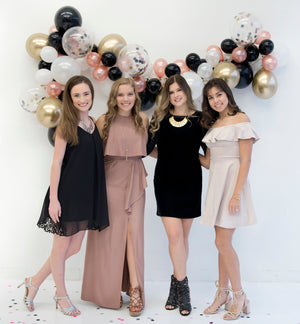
column 178, row 173
column 81, row 190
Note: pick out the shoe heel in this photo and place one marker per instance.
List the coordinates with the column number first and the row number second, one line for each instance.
column 246, row 307
column 228, row 303
column 21, row 284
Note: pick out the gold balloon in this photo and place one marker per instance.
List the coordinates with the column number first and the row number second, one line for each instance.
column 228, row 72
column 48, row 112
column 264, row 84
column 35, row 43
column 111, row 43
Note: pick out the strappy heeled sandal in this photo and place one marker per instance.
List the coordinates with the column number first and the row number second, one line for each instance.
column 136, row 304
column 240, row 304
column 27, row 300
column 71, row 310
column 172, row 301
column 222, row 297
column 184, row 299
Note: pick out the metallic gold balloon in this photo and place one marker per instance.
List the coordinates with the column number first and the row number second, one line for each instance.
column 35, row 43
column 228, row 72
column 111, row 43
column 264, row 84
column 48, row 112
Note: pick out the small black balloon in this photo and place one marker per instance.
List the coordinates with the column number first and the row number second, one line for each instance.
column 114, row 73
column 193, row 61
column 203, row 61
column 108, row 58
column 266, row 47
column 246, row 74
column 55, row 39
column 252, row 52
column 95, row 48
column 228, row 45
column 172, row 69
column 153, row 85
column 67, row 17
column 44, row 65
column 51, row 132
column 147, row 99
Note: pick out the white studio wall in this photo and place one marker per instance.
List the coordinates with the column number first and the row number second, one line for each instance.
column 168, row 29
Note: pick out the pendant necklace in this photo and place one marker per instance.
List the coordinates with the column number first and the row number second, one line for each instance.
column 176, row 123
column 89, row 128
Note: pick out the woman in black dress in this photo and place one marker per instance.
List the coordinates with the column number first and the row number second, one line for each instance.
column 76, row 198
column 175, row 137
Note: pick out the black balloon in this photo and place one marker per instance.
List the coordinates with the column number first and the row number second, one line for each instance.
column 266, row 47
column 55, row 40
column 109, row 58
column 172, row 69
column 153, row 85
column 67, row 17
column 51, row 132
column 252, row 52
column 44, row 65
column 246, row 74
column 114, row 73
column 147, row 99
column 193, row 61
column 203, row 61
column 95, row 48
column 228, row 45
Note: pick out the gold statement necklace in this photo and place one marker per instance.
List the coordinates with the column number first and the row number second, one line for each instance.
column 176, row 123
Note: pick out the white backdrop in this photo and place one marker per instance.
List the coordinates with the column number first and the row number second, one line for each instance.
column 170, row 29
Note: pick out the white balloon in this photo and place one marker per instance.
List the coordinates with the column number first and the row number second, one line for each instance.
column 82, row 63
column 48, row 54
column 43, row 76
column 30, row 98
column 195, row 82
column 205, row 71
column 63, row 68
column 212, row 57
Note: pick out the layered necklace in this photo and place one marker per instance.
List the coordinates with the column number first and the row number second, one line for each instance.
column 89, row 128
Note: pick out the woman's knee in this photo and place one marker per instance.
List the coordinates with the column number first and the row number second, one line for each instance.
column 223, row 245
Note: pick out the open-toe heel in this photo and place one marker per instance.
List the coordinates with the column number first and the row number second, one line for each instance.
column 172, row 301
column 136, row 304
column 222, row 297
column 70, row 311
column 27, row 300
column 184, row 299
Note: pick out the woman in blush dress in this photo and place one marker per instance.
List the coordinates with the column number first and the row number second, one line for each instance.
column 228, row 202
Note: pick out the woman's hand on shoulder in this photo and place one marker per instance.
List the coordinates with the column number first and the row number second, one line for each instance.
column 145, row 119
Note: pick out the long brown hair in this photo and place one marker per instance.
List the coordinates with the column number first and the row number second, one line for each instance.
column 165, row 105
column 70, row 116
column 112, row 110
column 209, row 116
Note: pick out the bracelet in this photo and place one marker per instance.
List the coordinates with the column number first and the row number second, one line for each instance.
column 236, row 197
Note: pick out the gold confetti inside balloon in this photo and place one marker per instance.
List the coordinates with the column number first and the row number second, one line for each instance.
column 111, row 43
column 228, row 72
column 264, row 84
column 35, row 43
column 49, row 111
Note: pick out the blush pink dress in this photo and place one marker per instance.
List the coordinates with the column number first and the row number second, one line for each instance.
column 106, row 271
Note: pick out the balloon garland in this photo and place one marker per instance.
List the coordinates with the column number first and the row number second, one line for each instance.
column 68, row 50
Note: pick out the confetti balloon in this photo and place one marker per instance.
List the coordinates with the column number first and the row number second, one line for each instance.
column 138, row 58
column 77, row 42
column 245, row 29
column 30, row 98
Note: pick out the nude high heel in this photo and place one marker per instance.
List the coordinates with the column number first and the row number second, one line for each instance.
column 240, row 304
column 136, row 304
column 27, row 300
column 70, row 311
column 222, row 297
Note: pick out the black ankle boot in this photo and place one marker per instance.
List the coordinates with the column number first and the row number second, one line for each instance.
column 184, row 300
column 172, row 301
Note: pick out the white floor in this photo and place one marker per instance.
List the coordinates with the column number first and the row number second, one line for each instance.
column 271, row 303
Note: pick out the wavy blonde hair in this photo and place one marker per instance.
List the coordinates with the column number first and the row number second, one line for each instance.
column 112, row 110
column 69, row 120
column 165, row 105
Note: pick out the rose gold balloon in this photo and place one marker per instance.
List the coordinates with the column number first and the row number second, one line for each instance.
column 269, row 62
column 239, row 54
column 100, row 72
column 159, row 67
column 54, row 89
column 218, row 49
column 182, row 65
column 52, row 29
column 263, row 35
column 140, row 83
column 93, row 59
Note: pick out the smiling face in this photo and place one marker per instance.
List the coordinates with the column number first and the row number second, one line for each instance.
column 177, row 96
column 218, row 100
column 81, row 96
column 125, row 99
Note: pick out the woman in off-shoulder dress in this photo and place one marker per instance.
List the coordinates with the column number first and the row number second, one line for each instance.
column 228, row 202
